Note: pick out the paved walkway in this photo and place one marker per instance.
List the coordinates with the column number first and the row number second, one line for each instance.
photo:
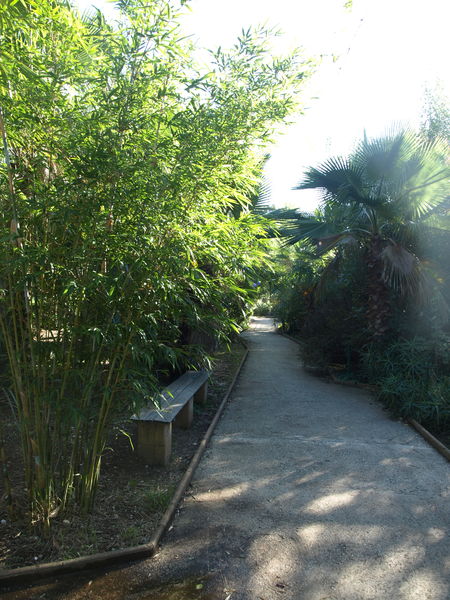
column 308, row 491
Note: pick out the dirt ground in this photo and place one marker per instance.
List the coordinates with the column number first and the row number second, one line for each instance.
column 132, row 496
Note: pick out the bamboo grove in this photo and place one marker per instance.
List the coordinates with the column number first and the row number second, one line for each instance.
column 122, row 168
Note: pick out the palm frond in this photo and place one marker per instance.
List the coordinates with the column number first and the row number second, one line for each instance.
column 324, row 245
column 400, row 269
column 303, row 227
column 264, row 202
column 286, row 214
column 336, row 177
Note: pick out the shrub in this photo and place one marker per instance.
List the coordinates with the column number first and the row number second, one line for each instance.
column 263, row 307
column 413, row 377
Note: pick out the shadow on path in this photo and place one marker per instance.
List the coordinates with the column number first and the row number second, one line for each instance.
column 308, row 491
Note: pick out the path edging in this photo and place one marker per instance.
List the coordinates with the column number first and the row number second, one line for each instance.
column 290, row 337
column 28, row 574
column 429, row 437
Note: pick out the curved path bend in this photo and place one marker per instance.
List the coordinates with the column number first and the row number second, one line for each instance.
column 308, row 491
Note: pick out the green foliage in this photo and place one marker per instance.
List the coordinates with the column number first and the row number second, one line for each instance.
column 377, row 271
column 121, row 253
column 157, row 500
column 291, row 286
column 413, row 377
column 436, row 114
column 263, row 307
column 335, row 327
column 323, row 301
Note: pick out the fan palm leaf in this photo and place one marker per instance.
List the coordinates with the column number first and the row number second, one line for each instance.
column 382, row 198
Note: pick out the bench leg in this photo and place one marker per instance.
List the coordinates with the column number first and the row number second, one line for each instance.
column 184, row 417
column 155, row 442
column 202, row 394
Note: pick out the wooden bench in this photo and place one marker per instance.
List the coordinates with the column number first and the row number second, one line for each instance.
column 175, row 406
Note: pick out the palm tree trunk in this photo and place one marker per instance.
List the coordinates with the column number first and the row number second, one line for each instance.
column 378, row 303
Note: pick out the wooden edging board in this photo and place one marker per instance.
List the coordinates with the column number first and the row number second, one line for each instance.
column 434, row 442
column 290, row 337
column 437, row 445
column 28, row 574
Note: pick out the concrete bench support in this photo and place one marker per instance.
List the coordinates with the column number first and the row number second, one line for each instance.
column 154, row 442
column 174, row 405
column 185, row 416
column 202, row 394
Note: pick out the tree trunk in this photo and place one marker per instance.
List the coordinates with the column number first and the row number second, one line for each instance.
column 378, row 303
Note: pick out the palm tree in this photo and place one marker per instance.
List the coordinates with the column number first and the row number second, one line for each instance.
column 383, row 200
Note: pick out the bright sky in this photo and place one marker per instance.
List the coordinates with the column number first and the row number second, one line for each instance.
column 386, row 52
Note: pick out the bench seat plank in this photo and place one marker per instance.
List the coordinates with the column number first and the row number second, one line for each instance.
column 175, row 406
column 174, row 397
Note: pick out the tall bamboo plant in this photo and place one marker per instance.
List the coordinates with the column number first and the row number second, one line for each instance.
column 120, row 162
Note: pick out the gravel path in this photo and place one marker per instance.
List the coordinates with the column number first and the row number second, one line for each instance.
column 308, row 491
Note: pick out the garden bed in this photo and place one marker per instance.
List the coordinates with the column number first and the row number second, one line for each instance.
column 131, row 498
